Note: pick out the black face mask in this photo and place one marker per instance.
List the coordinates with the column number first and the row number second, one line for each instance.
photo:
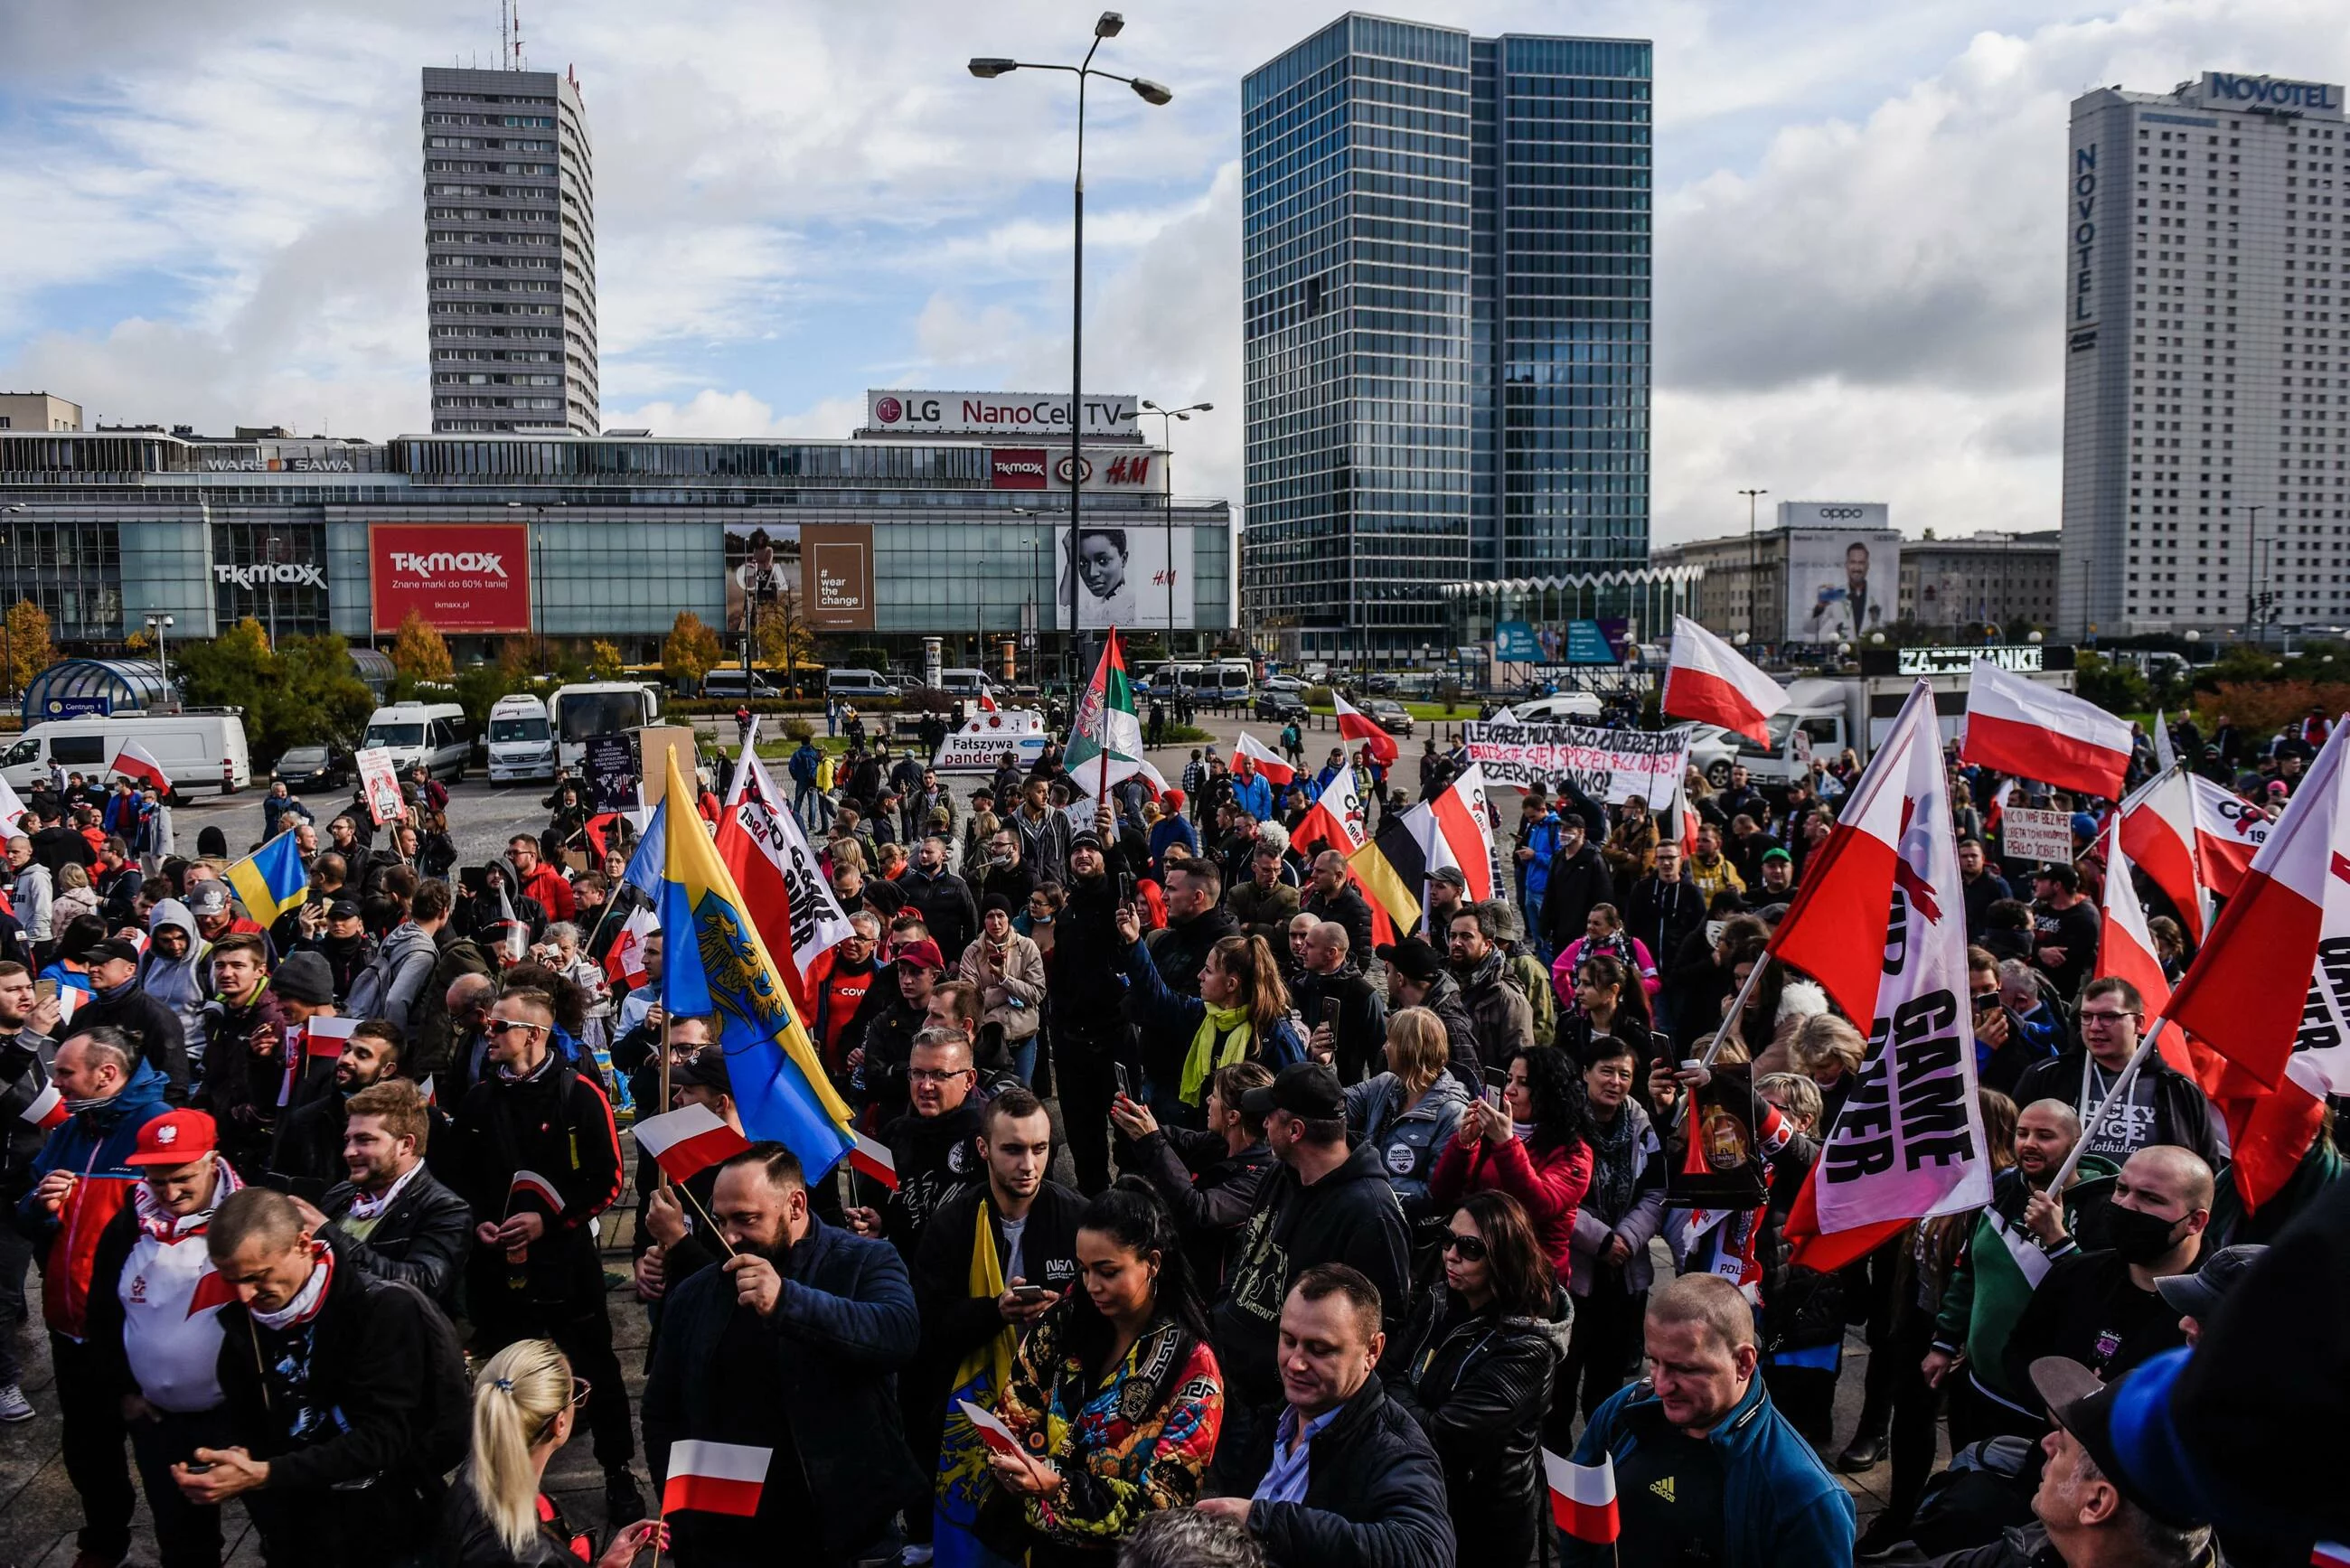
column 2139, row 1238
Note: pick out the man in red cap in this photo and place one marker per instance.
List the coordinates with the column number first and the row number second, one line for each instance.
column 154, row 1323
column 878, row 1059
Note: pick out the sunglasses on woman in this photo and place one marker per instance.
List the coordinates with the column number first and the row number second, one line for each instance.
column 1472, row 1248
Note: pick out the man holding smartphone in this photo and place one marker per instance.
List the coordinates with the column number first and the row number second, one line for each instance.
column 1347, row 1011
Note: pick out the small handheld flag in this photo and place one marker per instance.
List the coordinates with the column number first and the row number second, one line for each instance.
column 530, row 1184
column 325, row 1037
column 715, row 1478
column 689, row 1140
column 874, row 1159
column 47, row 1111
column 1583, row 1498
column 990, row 1428
column 1360, row 728
column 134, row 761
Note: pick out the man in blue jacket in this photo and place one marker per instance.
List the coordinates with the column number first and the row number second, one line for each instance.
column 1706, row 1469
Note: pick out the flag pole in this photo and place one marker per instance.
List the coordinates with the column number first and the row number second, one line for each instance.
column 706, row 1219
column 2113, row 1096
column 1737, row 1010
column 1101, row 794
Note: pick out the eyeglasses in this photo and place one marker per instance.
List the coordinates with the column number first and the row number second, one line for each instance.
column 934, row 1074
column 2106, row 1017
column 1472, row 1249
column 580, row 1389
column 508, row 1025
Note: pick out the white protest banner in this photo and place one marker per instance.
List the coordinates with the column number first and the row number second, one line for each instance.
column 2028, row 834
column 980, row 744
column 1610, row 766
column 380, row 780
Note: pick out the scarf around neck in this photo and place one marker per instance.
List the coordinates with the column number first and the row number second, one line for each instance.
column 169, row 1228
column 1230, row 1024
column 309, row 1300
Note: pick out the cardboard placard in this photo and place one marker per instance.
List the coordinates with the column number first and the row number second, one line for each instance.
column 654, row 743
column 2025, row 834
column 380, row 781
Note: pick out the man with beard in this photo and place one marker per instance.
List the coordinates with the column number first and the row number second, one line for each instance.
column 2163, row 1105
column 1265, row 904
column 117, row 1002
column 942, row 898
column 886, row 1022
column 1344, row 1009
column 2100, row 1308
column 1505, row 1022
column 245, row 1029
column 309, row 1154
column 1333, row 898
column 810, row 1323
column 1448, row 890
column 390, row 1215
column 1416, row 978
column 1089, row 1037
column 2014, row 1243
column 1196, row 922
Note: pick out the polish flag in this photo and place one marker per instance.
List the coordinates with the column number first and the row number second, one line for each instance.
column 136, row 762
column 760, row 841
column 987, row 703
column 689, row 1140
column 2269, row 1135
column 874, row 1160
column 1583, row 1498
column 1468, row 829
column 47, row 1111
column 2244, row 996
column 715, row 1478
column 1713, row 683
column 1909, row 1144
column 2125, row 948
column 1268, row 763
column 322, row 1038
column 531, row 1184
column 2229, row 831
column 212, row 1290
column 12, row 810
column 1358, row 728
column 2157, row 833
column 624, row 961
column 1336, row 820
column 2035, row 732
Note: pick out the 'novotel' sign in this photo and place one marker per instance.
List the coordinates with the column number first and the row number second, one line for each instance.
column 2084, row 218
column 2227, row 89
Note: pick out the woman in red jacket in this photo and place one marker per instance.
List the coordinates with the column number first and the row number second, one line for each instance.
column 1530, row 1146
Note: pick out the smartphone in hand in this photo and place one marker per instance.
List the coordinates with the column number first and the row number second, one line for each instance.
column 1125, row 1088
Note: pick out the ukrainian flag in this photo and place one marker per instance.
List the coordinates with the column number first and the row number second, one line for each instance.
column 271, row 880
column 715, row 965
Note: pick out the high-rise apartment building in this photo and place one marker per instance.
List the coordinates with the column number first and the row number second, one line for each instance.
column 2207, row 364
column 1446, row 262
column 510, row 251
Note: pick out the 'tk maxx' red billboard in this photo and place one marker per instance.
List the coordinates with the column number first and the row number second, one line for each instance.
column 461, row 577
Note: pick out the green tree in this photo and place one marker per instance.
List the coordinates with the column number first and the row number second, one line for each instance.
column 691, row 649
column 2111, row 685
column 421, row 652
column 305, row 692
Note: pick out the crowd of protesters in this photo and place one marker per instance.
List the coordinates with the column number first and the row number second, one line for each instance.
column 1266, row 1238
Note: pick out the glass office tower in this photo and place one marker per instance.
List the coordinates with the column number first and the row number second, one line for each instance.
column 1446, row 297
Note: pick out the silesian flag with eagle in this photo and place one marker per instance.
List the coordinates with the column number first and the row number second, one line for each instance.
column 1106, row 740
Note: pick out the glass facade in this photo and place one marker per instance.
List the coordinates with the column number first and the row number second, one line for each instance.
column 1446, row 309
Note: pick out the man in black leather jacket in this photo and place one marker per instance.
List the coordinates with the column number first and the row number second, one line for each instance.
column 392, row 1217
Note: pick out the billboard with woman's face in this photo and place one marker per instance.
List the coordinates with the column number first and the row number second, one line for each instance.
column 1124, row 577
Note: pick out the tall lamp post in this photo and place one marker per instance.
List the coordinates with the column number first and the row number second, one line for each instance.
column 1166, row 441
column 1754, row 560
column 1107, row 25
column 2255, row 577
column 160, row 624
column 269, row 582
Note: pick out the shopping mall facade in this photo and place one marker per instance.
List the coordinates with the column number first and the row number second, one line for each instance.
column 947, row 516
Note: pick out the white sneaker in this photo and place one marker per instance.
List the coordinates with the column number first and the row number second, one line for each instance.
column 14, row 1406
column 916, row 1554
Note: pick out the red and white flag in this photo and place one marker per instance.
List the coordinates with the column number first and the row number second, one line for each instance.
column 531, row 1184
column 1467, row 828
column 689, row 1140
column 624, row 960
column 212, row 1290
column 2021, row 726
column 12, row 810
column 2228, row 832
column 1336, row 819
column 788, row 899
column 1909, row 1142
column 715, row 1478
column 1268, row 761
column 322, row 1038
column 2125, row 948
column 1713, row 683
column 2157, row 833
column 134, row 761
column 1361, row 729
column 874, row 1160
column 1583, row 1498
column 47, row 1111
column 2256, row 989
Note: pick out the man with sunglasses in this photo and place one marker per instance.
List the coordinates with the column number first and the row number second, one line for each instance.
column 537, row 1157
column 2163, row 1105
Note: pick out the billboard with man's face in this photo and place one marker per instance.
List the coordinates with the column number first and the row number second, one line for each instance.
column 1842, row 583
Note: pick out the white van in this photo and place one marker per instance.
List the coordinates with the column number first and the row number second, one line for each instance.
column 433, row 733
column 521, row 746
column 203, row 752
column 958, row 682
column 1560, row 708
column 597, row 708
column 730, row 682
column 853, row 683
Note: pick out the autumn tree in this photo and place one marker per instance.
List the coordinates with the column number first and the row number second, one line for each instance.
column 691, row 649
column 421, row 652
column 29, row 650
column 785, row 641
column 604, row 660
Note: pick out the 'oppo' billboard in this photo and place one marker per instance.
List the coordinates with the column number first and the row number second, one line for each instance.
column 466, row 577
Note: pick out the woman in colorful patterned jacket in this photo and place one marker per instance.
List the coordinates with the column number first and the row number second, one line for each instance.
column 1117, row 1399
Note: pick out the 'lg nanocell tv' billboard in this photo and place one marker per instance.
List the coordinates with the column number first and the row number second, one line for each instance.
column 895, row 411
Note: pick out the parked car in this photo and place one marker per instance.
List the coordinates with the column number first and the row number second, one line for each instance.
column 1381, row 682
column 1282, row 683
column 1389, row 715
column 303, row 769
column 1281, row 707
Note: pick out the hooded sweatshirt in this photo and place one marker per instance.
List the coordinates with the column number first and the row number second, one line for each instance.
column 178, row 984
column 1351, row 1217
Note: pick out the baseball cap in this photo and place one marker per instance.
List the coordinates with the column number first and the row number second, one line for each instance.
column 922, row 953
column 343, row 910
column 2061, row 873
column 208, row 898
column 1412, row 958
column 705, row 1070
column 2084, row 1407
column 175, row 1138
column 1775, row 853
column 2198, row 1294
column 1305, row 1089
column 1452, row 874
column 1085, row 838
column 112, row 947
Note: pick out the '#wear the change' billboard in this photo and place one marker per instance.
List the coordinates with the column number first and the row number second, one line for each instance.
column 466, row 577
column 1843, row 572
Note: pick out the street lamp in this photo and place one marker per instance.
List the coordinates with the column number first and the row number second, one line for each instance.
column 269, row 582
column 1166, row 441
column 2256, row 583
column 987, row 69
column 1754, row 560
column 160, row 625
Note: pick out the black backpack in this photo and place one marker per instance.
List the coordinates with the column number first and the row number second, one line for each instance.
column 444, row 1416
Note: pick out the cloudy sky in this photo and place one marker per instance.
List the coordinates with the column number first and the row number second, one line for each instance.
column 214, row 215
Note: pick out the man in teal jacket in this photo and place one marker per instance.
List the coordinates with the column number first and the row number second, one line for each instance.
column 1706, row 1469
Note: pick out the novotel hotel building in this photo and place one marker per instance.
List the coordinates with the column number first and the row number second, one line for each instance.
column 948, row 516
column 2207, row 359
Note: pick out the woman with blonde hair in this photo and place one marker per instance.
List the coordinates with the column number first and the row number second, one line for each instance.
column 525, row 1402
column 1408, row 1114
column 1241, row 1014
